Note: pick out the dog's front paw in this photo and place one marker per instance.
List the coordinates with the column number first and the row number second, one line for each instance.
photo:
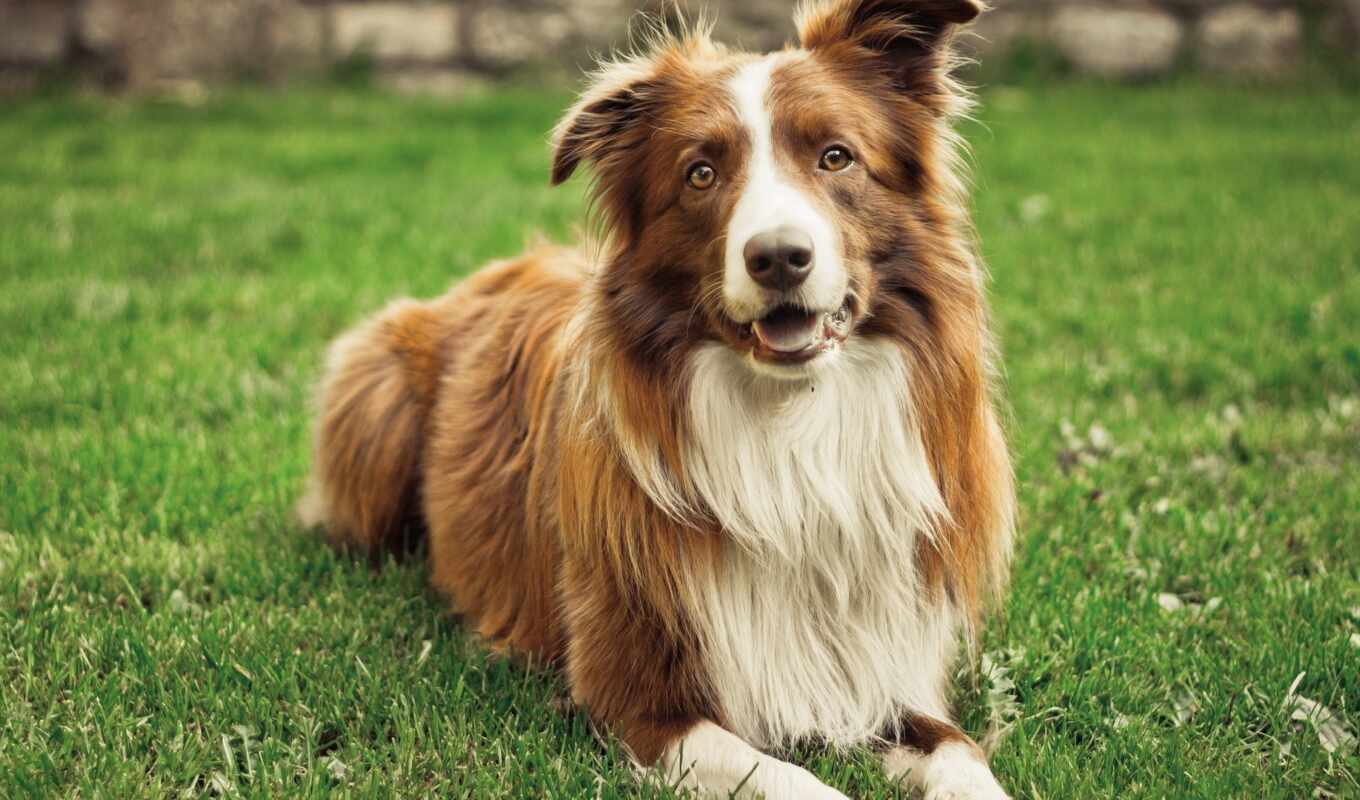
column 967, row 781
column 803, row 785
column 953, row 772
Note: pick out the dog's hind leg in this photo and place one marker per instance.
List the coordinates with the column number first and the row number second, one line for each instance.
column 375, row 398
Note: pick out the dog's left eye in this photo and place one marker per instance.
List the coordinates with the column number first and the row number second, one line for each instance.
column 702, row 176
column 836, row 159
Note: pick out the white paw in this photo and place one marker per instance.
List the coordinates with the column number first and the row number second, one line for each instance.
column 952, row 772
column 797, row 783
column 970, row 782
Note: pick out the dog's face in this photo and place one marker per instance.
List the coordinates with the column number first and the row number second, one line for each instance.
column 774, row 203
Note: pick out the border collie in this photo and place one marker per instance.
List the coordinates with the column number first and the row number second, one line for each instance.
column 737, row 470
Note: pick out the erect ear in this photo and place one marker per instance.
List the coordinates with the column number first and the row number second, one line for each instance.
column 903, row 29
column 601, row 123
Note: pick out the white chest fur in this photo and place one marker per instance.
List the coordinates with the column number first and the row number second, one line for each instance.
column 814, row 624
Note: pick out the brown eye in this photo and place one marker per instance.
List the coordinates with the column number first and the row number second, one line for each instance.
column 702, row 176
column 836, row 159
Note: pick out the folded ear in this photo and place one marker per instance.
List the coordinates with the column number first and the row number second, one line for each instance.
column 601, row 122
column 900, row 29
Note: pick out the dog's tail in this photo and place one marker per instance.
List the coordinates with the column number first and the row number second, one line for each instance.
column 375, row 399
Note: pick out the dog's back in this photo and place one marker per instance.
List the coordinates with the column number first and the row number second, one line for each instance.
column 379, row 385
column 382, row 423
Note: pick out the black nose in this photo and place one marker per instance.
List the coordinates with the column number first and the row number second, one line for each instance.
column 779, row 258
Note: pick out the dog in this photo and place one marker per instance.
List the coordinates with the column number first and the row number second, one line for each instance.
column 737, row 471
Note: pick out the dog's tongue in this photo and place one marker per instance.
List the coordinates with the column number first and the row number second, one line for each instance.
column 788, row 329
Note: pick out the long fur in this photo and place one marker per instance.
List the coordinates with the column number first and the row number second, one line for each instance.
column 826, row 494
column 615, row 483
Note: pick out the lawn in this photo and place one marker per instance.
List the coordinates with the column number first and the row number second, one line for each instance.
column 1176, row 276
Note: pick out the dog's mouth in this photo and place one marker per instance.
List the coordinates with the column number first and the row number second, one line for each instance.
column 791, row 334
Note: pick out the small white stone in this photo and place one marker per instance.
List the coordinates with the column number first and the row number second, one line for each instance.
column 180, row 603
column 1034, row 208
column 1100, row 439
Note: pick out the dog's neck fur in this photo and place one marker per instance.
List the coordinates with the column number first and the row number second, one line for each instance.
column 789, row 468
column 815, row 623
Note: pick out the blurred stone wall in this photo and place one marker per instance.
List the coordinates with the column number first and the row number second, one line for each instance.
column 446, row 43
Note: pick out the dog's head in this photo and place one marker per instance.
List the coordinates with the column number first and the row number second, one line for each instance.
column 781, row 203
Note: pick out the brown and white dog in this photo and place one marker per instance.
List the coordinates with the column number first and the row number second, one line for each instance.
column 739, row 474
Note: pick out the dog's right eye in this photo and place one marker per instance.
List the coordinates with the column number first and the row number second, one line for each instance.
column 836, row 159
column 702, row 176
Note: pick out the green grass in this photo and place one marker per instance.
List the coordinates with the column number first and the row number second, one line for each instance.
column 1177, row 287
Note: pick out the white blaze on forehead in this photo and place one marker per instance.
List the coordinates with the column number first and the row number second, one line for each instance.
column 769, row 199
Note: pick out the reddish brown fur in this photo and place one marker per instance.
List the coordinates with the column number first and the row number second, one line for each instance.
column 633, row 657
column 464, row 411
column 381, row 378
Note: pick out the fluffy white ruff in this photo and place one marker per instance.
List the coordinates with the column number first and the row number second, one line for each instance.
column 814, row 623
